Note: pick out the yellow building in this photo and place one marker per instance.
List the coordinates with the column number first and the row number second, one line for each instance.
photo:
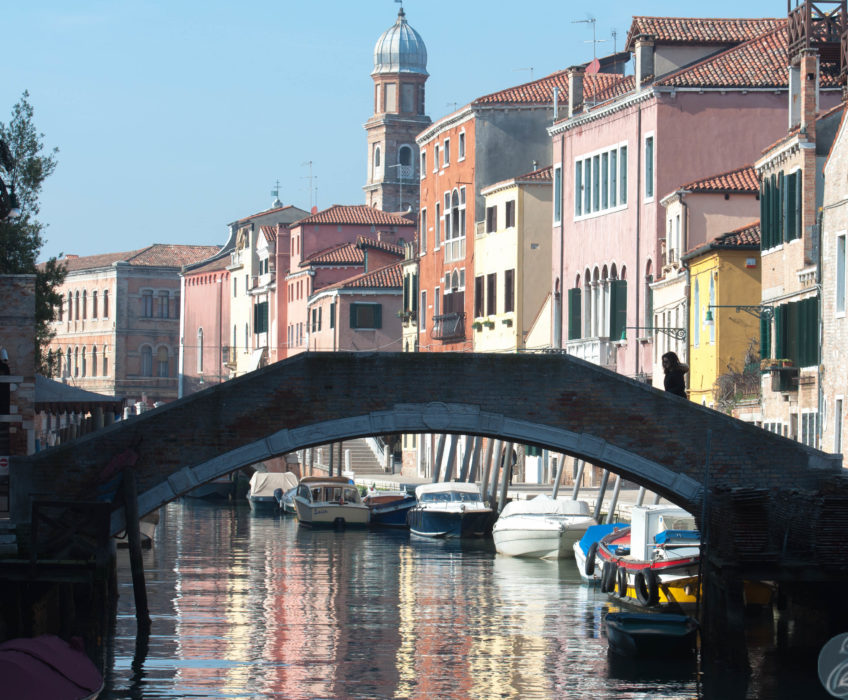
column 723, row 273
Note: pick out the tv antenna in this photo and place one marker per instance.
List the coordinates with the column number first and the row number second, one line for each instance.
column 614, row 35
column 530, row 69
column 593, row 40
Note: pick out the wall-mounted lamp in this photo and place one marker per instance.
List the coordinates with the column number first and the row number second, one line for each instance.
column 758, row 310
column 677, row 333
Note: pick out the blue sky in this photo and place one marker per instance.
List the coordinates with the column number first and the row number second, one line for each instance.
column 175, row 118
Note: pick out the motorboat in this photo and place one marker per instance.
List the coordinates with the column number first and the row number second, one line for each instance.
column 48, row 667
column 655, row 561
column 586, row 550
column 329, row 501
column 450, row 509
column 260, row 493
column 285, row 500
column 542, row 527
column 659, row 635
column 147, row 525
column 389, row 508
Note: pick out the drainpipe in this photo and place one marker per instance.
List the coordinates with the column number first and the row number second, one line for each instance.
column 558, row 302
column 638, row 275
column 181, row 360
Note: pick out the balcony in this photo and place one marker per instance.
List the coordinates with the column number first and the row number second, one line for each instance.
column 598, row 351
column 784, row 377
column 449, row 326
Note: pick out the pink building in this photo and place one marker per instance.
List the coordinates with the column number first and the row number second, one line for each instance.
column 707, row 95
column 319, row 258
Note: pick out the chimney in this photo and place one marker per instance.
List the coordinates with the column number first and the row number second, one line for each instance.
column 809, row 92
column 575, row 89
column 644, row 58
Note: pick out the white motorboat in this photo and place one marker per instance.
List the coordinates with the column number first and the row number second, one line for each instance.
column 541, row 527
column 329, row 501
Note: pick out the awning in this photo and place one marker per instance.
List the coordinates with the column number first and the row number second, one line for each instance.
column 55, row 397
column 256, row 359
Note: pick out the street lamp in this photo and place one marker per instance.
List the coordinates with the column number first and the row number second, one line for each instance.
column 9, row 206
column 759, row 310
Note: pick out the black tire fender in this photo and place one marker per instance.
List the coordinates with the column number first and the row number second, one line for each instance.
column 621, row 581
column 608, row 576
column 647, row 586
column 590, row 559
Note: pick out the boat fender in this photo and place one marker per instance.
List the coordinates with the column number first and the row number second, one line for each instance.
column 590, row 559
column 608, row 576
column 622, row 582
column 647, row 587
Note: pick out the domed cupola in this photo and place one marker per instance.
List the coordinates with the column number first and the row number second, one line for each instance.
column 400, row 49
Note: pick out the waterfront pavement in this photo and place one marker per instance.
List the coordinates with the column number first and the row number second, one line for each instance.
column 627, row 497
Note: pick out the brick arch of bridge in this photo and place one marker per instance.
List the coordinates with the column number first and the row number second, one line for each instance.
column 550, row 400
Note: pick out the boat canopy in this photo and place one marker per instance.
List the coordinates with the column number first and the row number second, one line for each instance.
column 543, row 504
column 447, row 487
column 265, row 483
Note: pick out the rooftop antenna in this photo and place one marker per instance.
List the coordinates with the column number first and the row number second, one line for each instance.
column 275, row 193
column 614, row 35
column 309, row 177
column 530, row 69
column 593, row 41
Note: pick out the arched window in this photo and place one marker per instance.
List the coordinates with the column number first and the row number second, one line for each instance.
column 84, row 367
column 94, row 360
column 105, row 303
column 377, row 158
column 405, row 156
column 68, row 361
column 162, row 369
column 70, row 306
column 146, row 361
column 94, row 304
column 84, row 304
column 76, row 362
column 454, row 232
column 76, row 307
column 199, row 349
column 105, row 359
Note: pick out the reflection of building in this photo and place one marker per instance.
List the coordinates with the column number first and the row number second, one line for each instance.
column 400, row 71
column 118, row 329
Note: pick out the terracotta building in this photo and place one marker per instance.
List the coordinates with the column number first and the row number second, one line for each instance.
column 118, row 329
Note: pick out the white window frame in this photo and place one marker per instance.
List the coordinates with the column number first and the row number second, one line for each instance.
column 446, row 153
column 587, row 162
column 650, row 135
column 423, row 164
column 423, row 232
column 557, row 186
column 422, row 316
column 436, row 158
column 841, row 287
column 461, row 146
column 838, row 418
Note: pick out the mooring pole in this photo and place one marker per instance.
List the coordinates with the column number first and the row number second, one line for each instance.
column 601, row 492
column 487, row 468
column 449, row 466
column 440, row 451
column 475, row 460
column 466, row 458
column 142, row 615
column 496, row 465
column 614, row 501
column 560, row 467
column 507, row 475
column 578, row 478
column 640, row 497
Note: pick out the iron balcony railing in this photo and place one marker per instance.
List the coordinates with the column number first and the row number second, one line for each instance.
column 449, row 326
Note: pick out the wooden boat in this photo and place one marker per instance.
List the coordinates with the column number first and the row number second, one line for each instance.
column 329, row 501
column 654, row 562
column 586, row 549
column 260, row 495
column 450, row 509
column 389, row 508
column 541, row 527
column 651, row 634
column 47, row 667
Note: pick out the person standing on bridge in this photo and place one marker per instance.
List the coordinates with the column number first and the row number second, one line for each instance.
column 674, row 370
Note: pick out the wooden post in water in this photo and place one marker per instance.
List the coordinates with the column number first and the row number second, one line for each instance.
column 601, row 492
column 487, row 467
column 614, row 500
column 466, row 459
column 640, row 496
column 507, row 475
column 440, row 451
column 558, row 478
column 454, row 440
column 130, row 495
column 471, row 477
column 578, row 479
column 496, row 465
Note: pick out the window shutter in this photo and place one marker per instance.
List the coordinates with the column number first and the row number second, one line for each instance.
column 618, row 308
column 353, row 316
column 779, row 326
column 414, row 292
column 574, row 306
column 765, row 338
column 790, row 182
column 765, row 228
column 797, row 230
column 784, row 207
column 406, row 292
column 378, row 316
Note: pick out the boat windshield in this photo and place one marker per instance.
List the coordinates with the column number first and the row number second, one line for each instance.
column 448, row 496
column 680, row 523
column 329, row 494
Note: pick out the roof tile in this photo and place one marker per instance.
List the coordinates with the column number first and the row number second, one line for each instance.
column 358, row 214
column 156, row 255
column 541, row 91
column 741, row 180
column 388, row 277
column 700, row 30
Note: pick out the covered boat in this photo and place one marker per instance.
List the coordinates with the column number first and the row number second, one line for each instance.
column 329, row 501
column 47, row 667
column 450, row 509
column 651, row 634
column 260, row 494
column 389, row 508
column 541, row 527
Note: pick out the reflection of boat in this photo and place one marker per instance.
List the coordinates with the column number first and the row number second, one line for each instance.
column 329, row 500
column 655, row 560
column 541, row 527
column 48, row 667
column 586, row 548
column 260, row 495
column 389, row 508
column 450, row 509
column 651, row 634
column 147, row 529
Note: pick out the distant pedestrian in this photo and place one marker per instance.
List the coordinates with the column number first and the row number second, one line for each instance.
column 674, row 370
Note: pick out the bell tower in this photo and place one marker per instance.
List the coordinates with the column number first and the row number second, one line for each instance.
column 399, row 75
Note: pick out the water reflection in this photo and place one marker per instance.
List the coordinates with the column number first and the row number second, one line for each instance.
column 246, row 605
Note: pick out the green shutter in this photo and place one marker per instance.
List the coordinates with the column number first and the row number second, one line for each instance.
column 574, row 321
column 784, row 207
column 618, row 308
column 765, row 338
column 779, row 326
column 406, row 293
column 415, row 292
column 763, row 214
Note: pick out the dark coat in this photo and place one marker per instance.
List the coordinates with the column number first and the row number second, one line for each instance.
column 674, row 382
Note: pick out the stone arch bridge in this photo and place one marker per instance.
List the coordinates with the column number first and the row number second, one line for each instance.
column 767, row 494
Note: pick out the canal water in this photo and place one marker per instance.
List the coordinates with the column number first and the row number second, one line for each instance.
column 245, row 605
